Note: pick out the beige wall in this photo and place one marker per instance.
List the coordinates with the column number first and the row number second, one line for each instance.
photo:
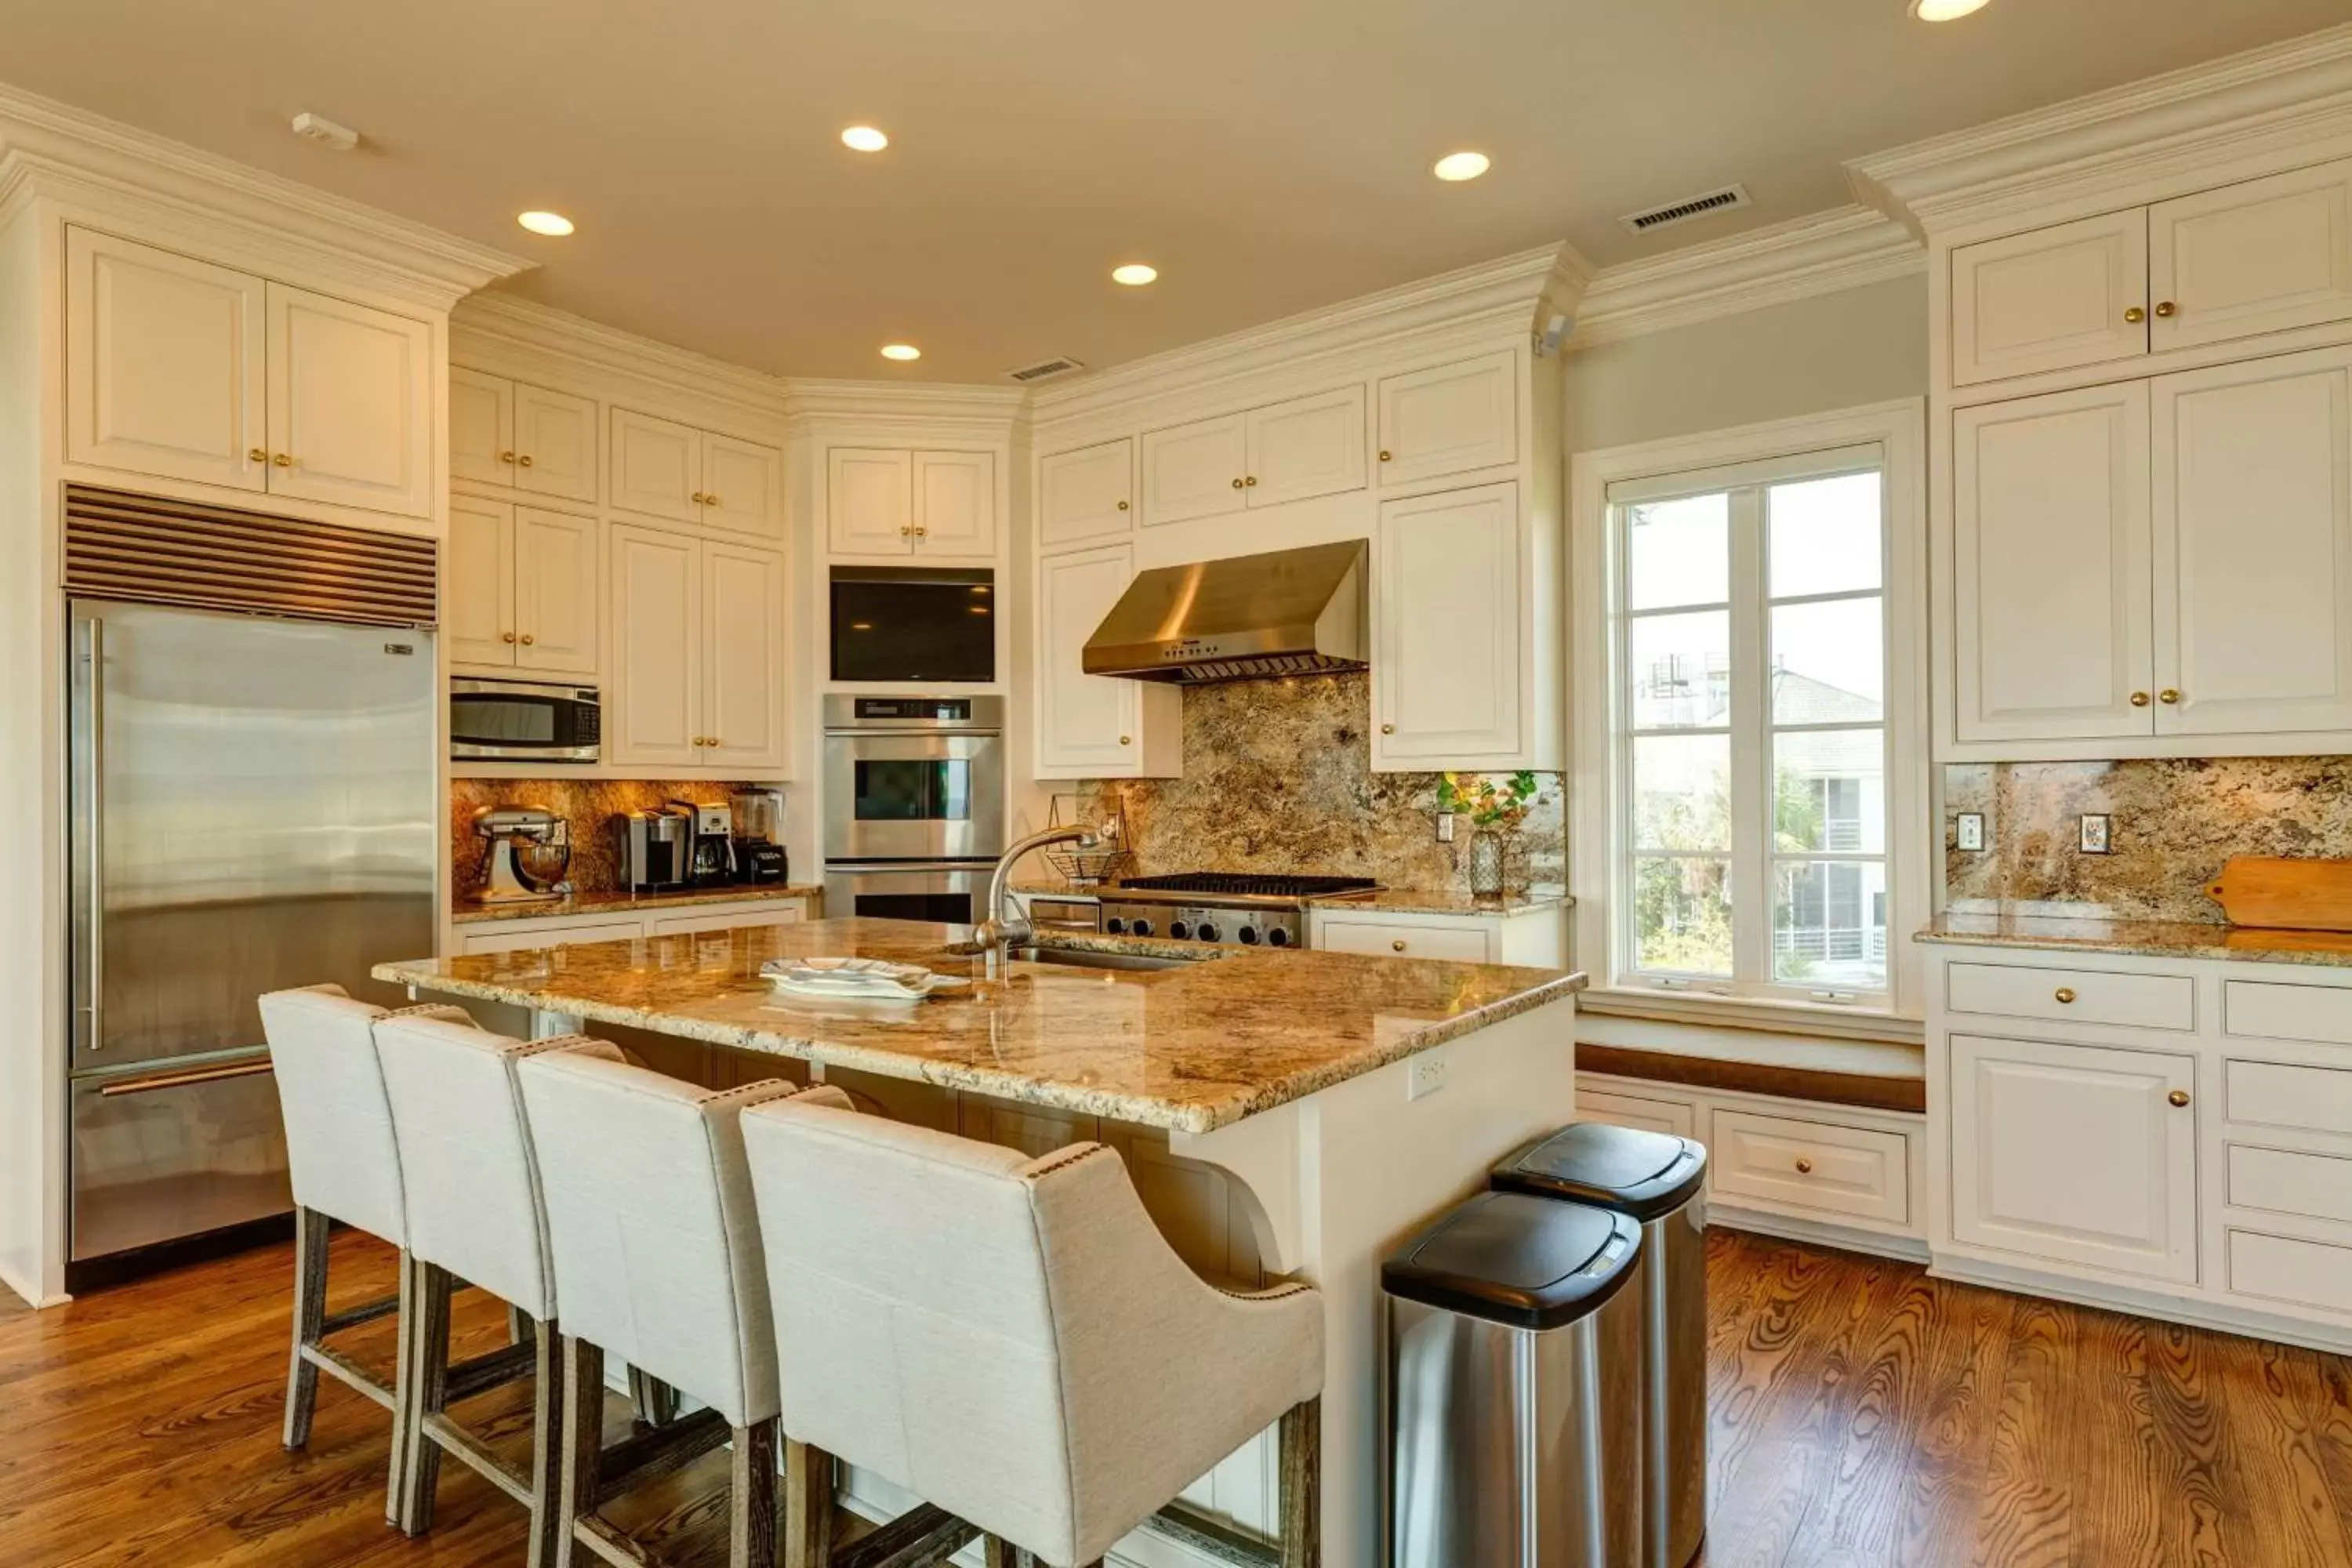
column 1834, row 351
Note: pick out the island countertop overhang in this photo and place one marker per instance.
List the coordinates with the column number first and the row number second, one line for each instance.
column 1190, row 1049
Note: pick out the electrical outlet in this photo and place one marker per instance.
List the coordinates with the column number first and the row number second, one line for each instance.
column 1445, row 827
column 1967, row 831
column 1425, row 1076
column 2094, row 837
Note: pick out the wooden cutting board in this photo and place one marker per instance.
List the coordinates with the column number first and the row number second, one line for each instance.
column 2286, row 895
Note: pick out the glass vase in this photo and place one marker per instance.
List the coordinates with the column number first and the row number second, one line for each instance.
column 1486, row 863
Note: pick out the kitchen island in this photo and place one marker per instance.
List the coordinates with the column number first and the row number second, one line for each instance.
column 1334, row 1100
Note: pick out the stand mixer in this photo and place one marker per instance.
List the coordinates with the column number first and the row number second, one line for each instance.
column 531, row 849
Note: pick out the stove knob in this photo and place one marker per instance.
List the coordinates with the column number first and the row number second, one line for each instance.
column 1206, row 932
column 1113, row 925
column 1178, row 931
column 1138, row 928
column 1277, row 937
column 1247, row 936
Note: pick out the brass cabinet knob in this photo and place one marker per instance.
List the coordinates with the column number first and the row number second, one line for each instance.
column 1388, row 728
column 922, row 533
column 1384, row 454
column 506, row 457
column 2135, row 316
column 1805, row 1166
column 1126, row 740
column 2065, row 994
column 2168, row 696
column 1251, row 481
column 524, row 459
column 1122, row 506
column 507, row 636
column 1237, row 484
column 2180, row 1099
column 699, row 497
column 2139, row 700
column 259, row 455
column 710, row 499
column 2166, row 309
column 1398, row 945
column 528, row 639
column 907, row 532
column 283, row 460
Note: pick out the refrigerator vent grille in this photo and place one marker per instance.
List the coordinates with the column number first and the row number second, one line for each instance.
column 151, row 550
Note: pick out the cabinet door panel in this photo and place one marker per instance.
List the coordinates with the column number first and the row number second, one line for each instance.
column 163, row 363
column 1450, row 419
column 2253, row 498
column 1447, row 620
column 742, row 487
column 555, row 582
column 2051, row 299
column 955, row 503
column 2076, row 1155
column 481, row 427
column 2053, row 580
column 1194, row 470
column 1085, row 494
column 743, row 629
column 477, row 581
column 555, row 444
column 870, row 500
column 656, row 620
column 350, row 404
column 496, row 940
column 1086, row 724
column 657, row 466
column 1307, row 447
column 2264, row 256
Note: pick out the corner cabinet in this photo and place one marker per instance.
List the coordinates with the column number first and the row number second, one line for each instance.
column 1094, row 726
column 887, row 502
column 698, row 667
column 1453, row 607
column 178, row 368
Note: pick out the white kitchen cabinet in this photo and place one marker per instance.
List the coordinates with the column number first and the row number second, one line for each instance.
column 2253, row 501
column 870, row 500
column 1533, row 936
column 2265, row 255
column 555, row 444
column 745, row 616
column 1450, row 419
column 663, row 468
column 781, row 912
column 1085, row 494
column 742, row 486
column 482, row 426
column 955, row 504
column 698, row 651
column 2080, row 1155
column 2052, row 567
column 519, row 937
column 477, row 583
column 1815, row 1167
column 350, row 404
column 2051, row 299
column 1463, row 943
column 1305, row 448
column 1194, row 470
column 1449, row 615
column 520, row 587
column 164, row 363
column 1095, row 726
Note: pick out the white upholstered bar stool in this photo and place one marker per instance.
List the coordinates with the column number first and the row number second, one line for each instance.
column 475, row 1213
column 657, row 1260
column 1011, row 1339
column 344, row 1166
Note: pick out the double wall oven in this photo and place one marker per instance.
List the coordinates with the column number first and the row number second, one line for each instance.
column 914, row 806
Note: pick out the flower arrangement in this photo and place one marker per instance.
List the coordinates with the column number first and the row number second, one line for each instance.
column 1486, row 803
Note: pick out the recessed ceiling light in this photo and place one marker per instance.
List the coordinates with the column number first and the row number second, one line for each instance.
column 901, row 352
column 1135, row 274
column 554, row 225
column 863, row 139
column 1944, row 10
column 1463, row 165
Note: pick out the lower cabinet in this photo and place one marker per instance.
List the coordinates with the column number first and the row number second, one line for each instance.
column 699, row 630
column 521, row 935
column 1534, row 938
column 559, row 930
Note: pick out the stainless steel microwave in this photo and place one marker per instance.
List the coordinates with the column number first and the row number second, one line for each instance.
column 524, row 721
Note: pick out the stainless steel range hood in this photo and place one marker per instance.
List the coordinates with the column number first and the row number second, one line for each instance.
column 1291, row 612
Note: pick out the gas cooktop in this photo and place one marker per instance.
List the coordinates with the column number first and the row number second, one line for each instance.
column 1248, row 885
column 1222, row 906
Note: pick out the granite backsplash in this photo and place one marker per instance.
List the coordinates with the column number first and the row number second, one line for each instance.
column 1278, row 777
column 588, row 804
column 2174, row 824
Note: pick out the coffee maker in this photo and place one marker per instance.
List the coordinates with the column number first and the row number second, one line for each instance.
column 656, row 848
column 760, row 858
column 711, row 852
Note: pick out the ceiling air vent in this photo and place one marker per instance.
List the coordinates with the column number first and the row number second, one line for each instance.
column 1720, row 201
column 1046, row 369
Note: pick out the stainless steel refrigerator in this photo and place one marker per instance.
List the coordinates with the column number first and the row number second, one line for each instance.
column 252, row 807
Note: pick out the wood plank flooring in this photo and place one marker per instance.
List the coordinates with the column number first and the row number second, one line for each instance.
column 1863, row 1416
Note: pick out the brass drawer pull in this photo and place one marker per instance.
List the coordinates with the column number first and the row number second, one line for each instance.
column 185, row 1079
column 1398, row 945
column 1385, row 458
column 2180, row 1099
column 1805, row 1166
column 2065, row 994
column 1237, row 484
column 1122, row 506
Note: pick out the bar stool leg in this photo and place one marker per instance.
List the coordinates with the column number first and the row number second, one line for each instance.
column 547, row 1445
column 808, row 1506
column 751, row 1497
column 656, row 1400
column 1301, row 1439
column 309, row 1318
column 581, row 1465
column 1004, row 1555
column 423, row 1392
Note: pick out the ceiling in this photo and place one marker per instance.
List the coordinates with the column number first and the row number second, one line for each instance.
column 1267, row 157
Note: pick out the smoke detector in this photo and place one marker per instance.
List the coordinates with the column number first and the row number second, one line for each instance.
column 325, row 132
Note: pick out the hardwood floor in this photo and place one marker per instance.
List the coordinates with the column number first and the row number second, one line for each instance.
column 1863, row 1415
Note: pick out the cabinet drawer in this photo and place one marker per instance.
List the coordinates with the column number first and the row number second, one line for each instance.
column 738, row 919
column 2279, row 1094
column 2272, row 1011
column 2286, row 1181
column 2076, row 996
column 1852, row 1171
column 1632, row 1111
column 517, row 941
column 1465, row 945
column 2286, row 1269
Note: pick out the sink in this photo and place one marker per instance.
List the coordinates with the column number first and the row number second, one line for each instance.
column 1081, row 958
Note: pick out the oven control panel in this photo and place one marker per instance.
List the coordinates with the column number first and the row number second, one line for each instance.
column 1205, row 922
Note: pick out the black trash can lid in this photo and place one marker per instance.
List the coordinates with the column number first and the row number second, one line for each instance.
column 1510, row 1259
column 1644, row 1174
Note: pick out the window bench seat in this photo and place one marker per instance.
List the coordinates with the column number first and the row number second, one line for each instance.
column 1874, row 1075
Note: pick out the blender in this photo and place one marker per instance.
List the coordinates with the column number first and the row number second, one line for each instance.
column 760, row 858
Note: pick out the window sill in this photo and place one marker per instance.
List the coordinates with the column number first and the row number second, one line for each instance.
column 1738, row 1012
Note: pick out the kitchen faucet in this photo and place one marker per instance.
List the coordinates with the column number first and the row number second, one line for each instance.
column 1002, row 931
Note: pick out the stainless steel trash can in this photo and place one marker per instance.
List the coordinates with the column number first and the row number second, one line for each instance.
column 1513, row 1393
column 1651, row 1177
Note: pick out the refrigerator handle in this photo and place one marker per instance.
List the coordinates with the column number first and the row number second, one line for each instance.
column 90, row 721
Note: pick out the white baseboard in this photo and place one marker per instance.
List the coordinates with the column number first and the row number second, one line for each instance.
column 1845, row 1238
column 28, row 1294
column 2142, row 1303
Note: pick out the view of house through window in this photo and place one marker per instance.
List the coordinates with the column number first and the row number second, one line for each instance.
column 1751, row 724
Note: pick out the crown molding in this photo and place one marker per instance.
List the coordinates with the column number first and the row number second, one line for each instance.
column 1823, row 254
column 1497, row 296
column 51, row 149
column 2284, row 104
column 812, row 401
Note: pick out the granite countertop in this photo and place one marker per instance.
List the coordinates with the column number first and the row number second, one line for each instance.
column 622, row 902
column 1388, row 901
column 1192, row 1049
column 2149, row 939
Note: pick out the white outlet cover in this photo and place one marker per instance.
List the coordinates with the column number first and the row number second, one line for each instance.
column 2095, row 839
column 1425, row 1074
column 1967, row 831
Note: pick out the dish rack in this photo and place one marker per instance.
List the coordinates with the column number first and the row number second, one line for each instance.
column 1087, row 867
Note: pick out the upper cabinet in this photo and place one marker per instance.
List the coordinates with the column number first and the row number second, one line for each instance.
column 697, row 678
column 2267, row 256
column 1452, row 587
column 178, row 368
column 1285, row 451
column 1085, row 494
column 1095, row 726
column 663, row 468
column 522, row 437
column 1450, row 419
column 521, row 588
column 884, row 500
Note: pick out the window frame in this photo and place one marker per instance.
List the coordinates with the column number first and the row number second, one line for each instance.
column 1889, row 437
